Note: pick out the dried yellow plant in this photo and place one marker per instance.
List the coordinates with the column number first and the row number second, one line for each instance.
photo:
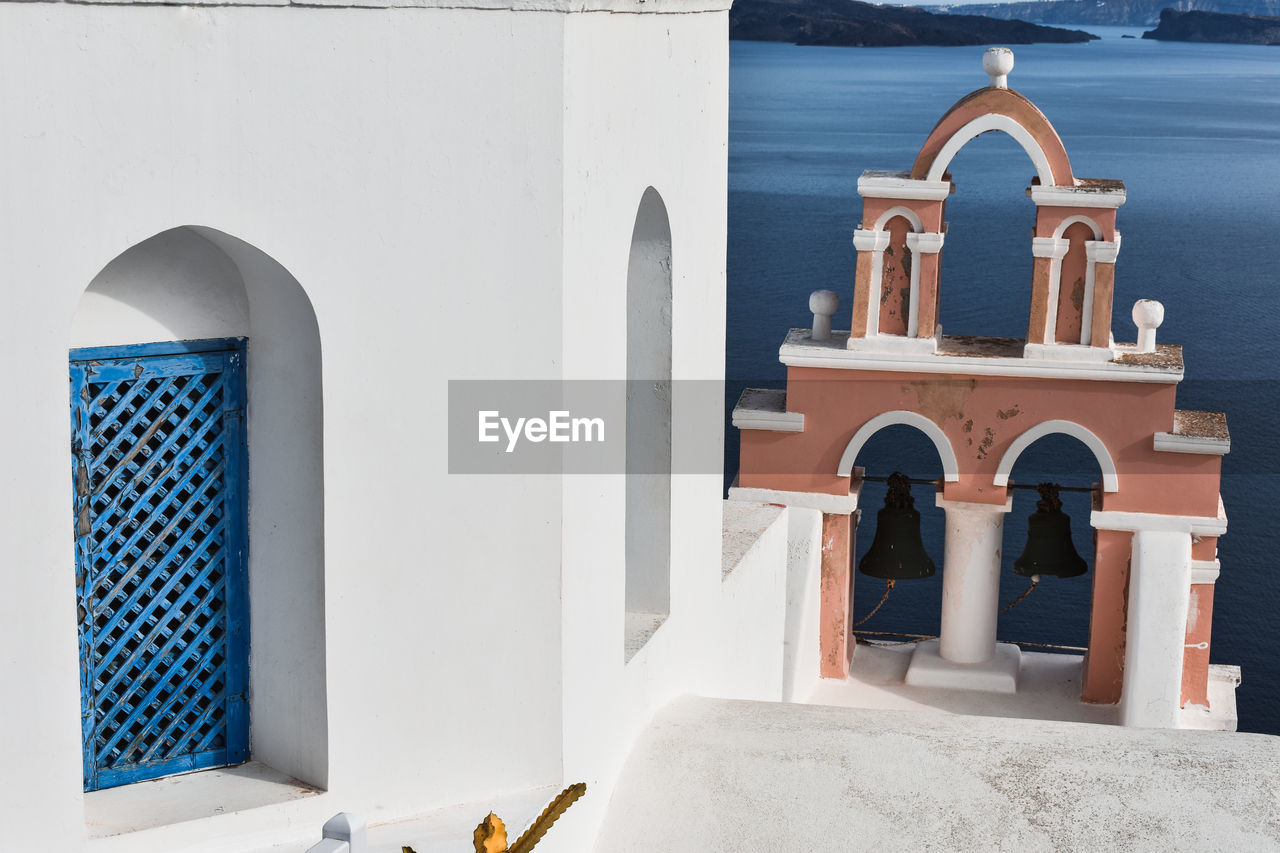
column 549, row 815
column 491, row 835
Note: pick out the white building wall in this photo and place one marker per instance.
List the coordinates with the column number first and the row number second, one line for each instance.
column 454, row 191
column 646, row 105
column 354, row 147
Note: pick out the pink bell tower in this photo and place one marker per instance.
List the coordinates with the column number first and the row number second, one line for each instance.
column 982, row 401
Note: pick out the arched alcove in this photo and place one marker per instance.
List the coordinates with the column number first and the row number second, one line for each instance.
column 176, row 286
column 1072, row 280
column 193, row 284
column 648, row 423
column 895, row 279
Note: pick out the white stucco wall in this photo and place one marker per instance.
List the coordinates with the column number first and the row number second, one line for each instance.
column 646, row 106
column 344, row 144
column 753, row 589
column 802, row 656
column 454, row 192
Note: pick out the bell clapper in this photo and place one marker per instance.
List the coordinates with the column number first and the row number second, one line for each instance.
column 1035, row 582
column 888, row 588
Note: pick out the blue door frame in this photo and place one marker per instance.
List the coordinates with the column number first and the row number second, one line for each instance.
column 160, row 476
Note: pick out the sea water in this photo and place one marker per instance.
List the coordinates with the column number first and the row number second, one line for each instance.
column 1194, row 132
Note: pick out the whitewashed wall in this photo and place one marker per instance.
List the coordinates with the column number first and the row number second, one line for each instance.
column 349, row 145
column 646, row 106
column 454, row 192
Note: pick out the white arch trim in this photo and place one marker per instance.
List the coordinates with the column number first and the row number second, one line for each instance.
column 950, row 466
column 1110, row 479
column 1072, row 220
column 906, row 213
column 983, row 124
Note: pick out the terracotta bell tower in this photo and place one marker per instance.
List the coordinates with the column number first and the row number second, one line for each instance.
column 982, row 401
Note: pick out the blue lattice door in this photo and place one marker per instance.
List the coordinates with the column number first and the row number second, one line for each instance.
column 158, row 443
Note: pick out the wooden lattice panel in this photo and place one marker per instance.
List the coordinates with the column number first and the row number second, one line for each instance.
column 160, row 550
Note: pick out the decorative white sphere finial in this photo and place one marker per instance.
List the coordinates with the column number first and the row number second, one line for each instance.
column 823, row 304
column 998, row 62
column 1147, row 316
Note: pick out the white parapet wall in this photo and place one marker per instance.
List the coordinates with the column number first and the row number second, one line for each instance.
column 800, row 666
column 753, row 596
column 761, row 776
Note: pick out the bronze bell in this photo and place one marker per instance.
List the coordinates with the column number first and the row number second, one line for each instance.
column 1049, row 549
column 897, row 553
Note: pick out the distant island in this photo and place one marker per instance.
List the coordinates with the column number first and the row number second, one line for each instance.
column 1210, row 26
column 1122, row 13
column 849, row 23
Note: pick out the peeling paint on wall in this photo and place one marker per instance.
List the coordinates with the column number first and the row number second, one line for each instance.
column 988, row 439
column 941, row 399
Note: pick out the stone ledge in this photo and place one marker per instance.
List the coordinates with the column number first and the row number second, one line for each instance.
column 742, row 526
column 969, row 355
column 143, row 816
column 766, row 409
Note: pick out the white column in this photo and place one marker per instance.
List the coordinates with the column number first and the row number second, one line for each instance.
column 971, row 579
column 1055, row 250
column 1096, row 252
column 875, row 242
column 929, row 243
column 1159, row 595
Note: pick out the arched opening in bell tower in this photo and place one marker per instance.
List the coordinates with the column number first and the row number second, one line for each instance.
column 914, row 605
column 986, row 267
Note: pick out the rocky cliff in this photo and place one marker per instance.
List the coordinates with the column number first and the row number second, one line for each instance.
column 854, row 24
column 1210, row 26
column 1125, row 13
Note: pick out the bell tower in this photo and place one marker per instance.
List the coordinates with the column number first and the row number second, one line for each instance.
column 903, row 229
column 983, row 401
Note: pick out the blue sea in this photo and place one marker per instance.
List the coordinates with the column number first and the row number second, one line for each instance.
column 1194, row 132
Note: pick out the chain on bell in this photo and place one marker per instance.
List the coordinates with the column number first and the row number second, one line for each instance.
column 897, row 552
column 1049, row 549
